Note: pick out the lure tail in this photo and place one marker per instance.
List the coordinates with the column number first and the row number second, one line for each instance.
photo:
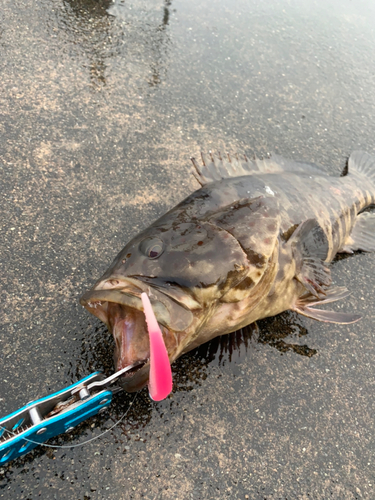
column 160, row 378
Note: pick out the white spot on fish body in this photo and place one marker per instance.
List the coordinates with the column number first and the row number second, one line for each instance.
column 269, row 191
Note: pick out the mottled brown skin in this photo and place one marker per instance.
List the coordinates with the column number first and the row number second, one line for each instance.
column 227, row 258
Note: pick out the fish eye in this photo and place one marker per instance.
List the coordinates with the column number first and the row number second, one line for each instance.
column 152, row 247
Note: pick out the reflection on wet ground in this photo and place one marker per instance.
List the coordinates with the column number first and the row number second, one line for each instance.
column 156, row 24
column 88, row 26
column 116, row 33
column 191, row 370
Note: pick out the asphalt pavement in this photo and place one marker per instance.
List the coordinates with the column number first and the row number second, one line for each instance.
column 101, row 106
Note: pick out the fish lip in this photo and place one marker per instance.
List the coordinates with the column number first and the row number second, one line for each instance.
column 137, row 380
column 118, row 293
column 127, row 291
column 132, row 372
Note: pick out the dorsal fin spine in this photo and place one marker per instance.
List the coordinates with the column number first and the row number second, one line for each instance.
column 216, row 167
column 362, row 163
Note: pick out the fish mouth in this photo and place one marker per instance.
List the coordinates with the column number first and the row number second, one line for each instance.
column 117, row 303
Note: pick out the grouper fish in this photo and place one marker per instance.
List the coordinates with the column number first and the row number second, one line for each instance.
column 255, row 240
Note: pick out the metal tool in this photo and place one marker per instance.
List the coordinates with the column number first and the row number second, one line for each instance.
column 59, row 413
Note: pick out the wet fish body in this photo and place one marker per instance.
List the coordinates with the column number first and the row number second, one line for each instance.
column 253, row 241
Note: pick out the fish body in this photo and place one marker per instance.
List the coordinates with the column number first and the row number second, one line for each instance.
column 253, row 241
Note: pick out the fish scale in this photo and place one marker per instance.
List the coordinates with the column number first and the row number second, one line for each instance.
column 252, row 242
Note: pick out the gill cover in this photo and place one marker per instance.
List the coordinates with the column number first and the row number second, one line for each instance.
column 181, row 259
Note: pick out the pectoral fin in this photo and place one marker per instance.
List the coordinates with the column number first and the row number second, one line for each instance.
column 362, row 236
column 309, row 246
column 304, row 303
column 333, row 294
column 314, row 275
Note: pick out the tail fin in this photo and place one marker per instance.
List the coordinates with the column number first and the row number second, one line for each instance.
column 362, row 163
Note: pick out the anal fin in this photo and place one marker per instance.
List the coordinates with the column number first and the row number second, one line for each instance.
column 362, row 236
column 304, row 306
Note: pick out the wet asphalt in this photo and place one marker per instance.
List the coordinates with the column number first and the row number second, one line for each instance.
column 101, row 106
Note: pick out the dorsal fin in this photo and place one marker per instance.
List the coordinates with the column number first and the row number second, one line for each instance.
column 217, row 167
column 362, row 163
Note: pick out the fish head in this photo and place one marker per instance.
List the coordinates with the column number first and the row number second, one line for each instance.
column 187, row 268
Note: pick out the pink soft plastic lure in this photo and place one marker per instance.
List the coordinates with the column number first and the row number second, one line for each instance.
column 160, row 378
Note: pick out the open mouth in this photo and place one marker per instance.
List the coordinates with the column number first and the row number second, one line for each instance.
column 128, row 327
column 117, row 302
column 132, row 345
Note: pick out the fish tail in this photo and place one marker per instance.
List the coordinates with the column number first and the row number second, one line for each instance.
column 363, row 164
